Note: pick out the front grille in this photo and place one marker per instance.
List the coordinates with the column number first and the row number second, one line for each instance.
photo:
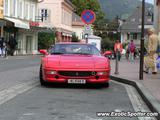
column 77, row 73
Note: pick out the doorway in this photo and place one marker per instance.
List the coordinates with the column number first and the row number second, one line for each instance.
column 28, row 44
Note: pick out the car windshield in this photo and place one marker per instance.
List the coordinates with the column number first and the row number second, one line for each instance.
column 83, row 49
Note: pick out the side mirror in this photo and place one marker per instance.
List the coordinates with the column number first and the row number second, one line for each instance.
column 43, row 51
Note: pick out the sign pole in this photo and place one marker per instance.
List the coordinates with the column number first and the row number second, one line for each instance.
column 142, row 42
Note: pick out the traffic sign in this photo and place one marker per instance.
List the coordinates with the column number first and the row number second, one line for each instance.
column 88, row 29
column 88, row 16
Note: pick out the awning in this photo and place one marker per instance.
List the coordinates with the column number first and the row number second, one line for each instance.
column 19, row 23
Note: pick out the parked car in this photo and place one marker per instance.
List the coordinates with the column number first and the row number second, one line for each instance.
column 74, row 63
column 109, row 54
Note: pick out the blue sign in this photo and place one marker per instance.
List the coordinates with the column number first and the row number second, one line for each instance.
column 88, row 16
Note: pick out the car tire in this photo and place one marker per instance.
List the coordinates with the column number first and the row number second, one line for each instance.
column 107, row 84
column 42, row 82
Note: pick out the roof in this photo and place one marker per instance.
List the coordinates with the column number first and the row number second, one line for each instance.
column 93, row 37
column 70, row 3
column 133, row 23
column 70, row 43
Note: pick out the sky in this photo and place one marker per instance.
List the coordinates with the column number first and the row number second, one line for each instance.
column 150, row 1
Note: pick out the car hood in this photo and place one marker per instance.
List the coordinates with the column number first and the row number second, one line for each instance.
column 77, row 61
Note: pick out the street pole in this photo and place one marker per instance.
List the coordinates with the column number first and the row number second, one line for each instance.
column 117, row 64
column 142, row 42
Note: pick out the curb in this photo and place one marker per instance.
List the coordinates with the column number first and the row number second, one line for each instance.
column 150, row 100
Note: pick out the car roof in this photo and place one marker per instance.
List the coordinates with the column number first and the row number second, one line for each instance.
column 78, row 43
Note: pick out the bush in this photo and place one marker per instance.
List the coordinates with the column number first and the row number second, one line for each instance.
column 45, row 40
column 107, row 44
column 75, row 38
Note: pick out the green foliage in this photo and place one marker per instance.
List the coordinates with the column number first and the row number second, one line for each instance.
column 93, row 5
column 108, row 32
column 75, row 38
column 107, row 44
column 45, row 40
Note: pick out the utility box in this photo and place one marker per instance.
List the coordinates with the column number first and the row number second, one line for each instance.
column 95, row 40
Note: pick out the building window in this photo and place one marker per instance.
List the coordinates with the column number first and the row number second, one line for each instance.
column 20, row 9
column 26, row 11
column 6, row 7
column 66, row 18
column 32, row 12
column 63, row 16
column 14, row 7
column 135, row 36
column 45, row 14
column 128, row 36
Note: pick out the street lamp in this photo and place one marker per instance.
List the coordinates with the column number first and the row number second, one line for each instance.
column 142, row 42
column 86, row 37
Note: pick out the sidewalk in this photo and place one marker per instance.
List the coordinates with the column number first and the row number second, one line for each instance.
column 130, row 70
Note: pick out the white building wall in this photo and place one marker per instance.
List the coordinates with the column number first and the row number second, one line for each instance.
column 123, row 37
column 24, row 10
column 61, row 15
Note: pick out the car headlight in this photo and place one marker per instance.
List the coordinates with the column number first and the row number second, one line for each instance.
column 102, row 73
column 51, row 72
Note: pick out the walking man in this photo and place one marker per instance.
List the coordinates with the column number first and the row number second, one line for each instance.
column 118, row 48
column 132, row 49
column 12, row 44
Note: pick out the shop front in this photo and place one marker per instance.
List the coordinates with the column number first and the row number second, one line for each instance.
column 26, row 38
column 64, row 36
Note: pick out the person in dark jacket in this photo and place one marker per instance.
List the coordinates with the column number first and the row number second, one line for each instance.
column 3, row 47
column 12, row 44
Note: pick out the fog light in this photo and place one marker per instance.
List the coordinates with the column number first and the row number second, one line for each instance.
column 101, row 73
column 51, row 72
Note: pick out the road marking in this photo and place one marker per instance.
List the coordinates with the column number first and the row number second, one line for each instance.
column 136, row 101
column 12, row 92
column 29, row 114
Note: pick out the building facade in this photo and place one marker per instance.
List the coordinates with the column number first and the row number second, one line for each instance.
column 77, row 26
column 58, row 14
column 157, row 16
column 17, row 18
column 131, row 28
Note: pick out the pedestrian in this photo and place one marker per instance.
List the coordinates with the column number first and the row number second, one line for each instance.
column 12, row 44
column 151, row 58
column 2, row 47
column 118, row 49
column 132, row 49
column 127, row 51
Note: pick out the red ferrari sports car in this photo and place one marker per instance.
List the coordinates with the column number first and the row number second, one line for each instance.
column 74, row 63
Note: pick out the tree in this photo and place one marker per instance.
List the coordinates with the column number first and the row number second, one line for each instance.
column 45, row 40
column 93, row 5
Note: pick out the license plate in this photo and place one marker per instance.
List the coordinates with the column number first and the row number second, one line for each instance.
column 76, row 81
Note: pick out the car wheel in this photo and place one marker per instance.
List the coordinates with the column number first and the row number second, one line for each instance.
column 42, row 82
column 107, row 84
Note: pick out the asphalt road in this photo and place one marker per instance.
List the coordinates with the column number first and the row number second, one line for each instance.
column 66, row 103
column 22, row 97
column 17, row 62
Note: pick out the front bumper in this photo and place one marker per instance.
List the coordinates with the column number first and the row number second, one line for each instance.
column 57, row 78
